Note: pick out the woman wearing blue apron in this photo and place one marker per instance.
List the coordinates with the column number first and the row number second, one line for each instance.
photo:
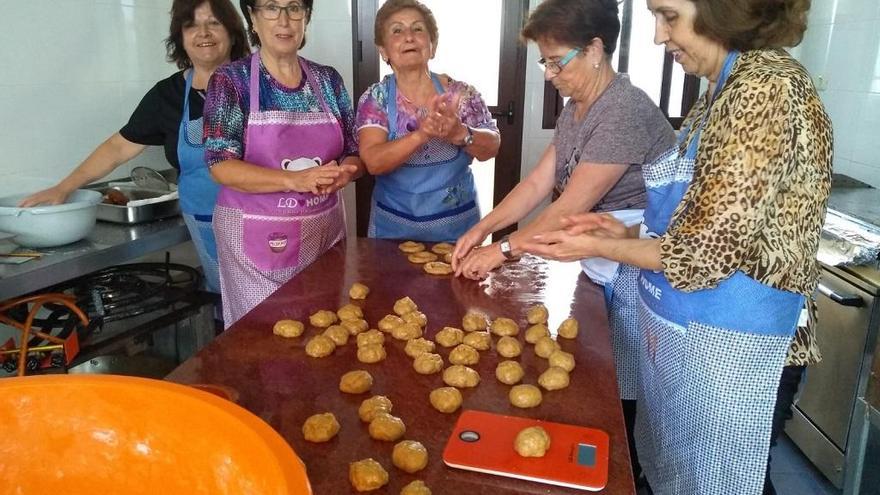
column 419, row 133
column 727, row 250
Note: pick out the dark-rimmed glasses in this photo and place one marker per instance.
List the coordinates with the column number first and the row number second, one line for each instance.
column 271, row 12
column 555, row 67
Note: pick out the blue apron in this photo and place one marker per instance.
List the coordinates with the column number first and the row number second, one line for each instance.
column 710, row 359
column 432, row 196
column 198, row 191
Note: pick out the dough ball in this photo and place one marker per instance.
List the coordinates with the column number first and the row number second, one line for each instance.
column 320, row 346
column 356, row 382
column 509, row 372
column 464, row 354
column 562, row 359
column 449, row 336
column 416, row 317
column 442, row 248
column 323, row 319
column 406, row 331
column 535, row 332
column 410, row 456
column 447, row 258
column 461, row 376
column 388, row 322
column 473, row 322
column 417, row 487
column 480, row 341
column 416, row 347
column 358, row 291
column 371, row 353
column 546, row 346
column 404, row 305
column 355, row 327
column 533, row 441
column 508, row 347
column 288, row 328
column 366, row 475
column 369, row 408
column 372, row 337
column 421, row 257
column 428, row 363
column 525, row 396
column 504, row 327
column 338, row 334
column 320, row 427
column 537, row 314
column 438, row 268
column 445, row 399
column 386, row 427
column 568, row 329
column 411, row 247
column 350, row 312
column 553, row 379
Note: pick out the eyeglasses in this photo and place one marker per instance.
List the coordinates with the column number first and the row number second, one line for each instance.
column 557, row 66
column 271, row 12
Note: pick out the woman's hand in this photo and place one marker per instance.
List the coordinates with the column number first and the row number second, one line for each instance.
column 562, row 245
column 347, row 172
column 481, row 261
column 596, row 224
column 442, row 120
column 316, row 179
column 52, row 196
column 467, row 242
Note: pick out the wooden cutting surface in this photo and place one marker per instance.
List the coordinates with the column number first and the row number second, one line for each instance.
column 279, row 383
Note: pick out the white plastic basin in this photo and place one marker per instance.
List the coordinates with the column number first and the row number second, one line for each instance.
column 49, row 226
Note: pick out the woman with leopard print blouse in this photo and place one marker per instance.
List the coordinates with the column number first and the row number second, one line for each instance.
column 728, row 245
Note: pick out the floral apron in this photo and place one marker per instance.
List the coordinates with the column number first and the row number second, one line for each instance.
column 264, row 240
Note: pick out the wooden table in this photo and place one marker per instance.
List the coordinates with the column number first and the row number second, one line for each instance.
column 283, row 386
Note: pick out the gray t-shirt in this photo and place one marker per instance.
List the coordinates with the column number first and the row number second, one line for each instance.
column 624, row 127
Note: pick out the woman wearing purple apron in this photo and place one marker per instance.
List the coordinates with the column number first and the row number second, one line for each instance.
column 280, row 143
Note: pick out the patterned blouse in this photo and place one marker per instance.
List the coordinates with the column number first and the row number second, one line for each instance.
column 761, row 182
column 227, row 105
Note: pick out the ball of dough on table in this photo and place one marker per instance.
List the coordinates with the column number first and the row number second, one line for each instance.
column 417, row 487
column 480, row 341
column 445, row 399
column 464, row 354
column 320, row 346
column 386, row 427
column 509, row 372
column 461, row 376
column 371, row 353
column 416, row 347
column 404, row 305
column 421, row 257
column 358, row 291
column 416, row 317
column 508, row 347
column 545, row 346
column 533, row 441
column 410, row 456
column 568, row 329
column 371, row 337
column 355, row 327
column 288, row 328
column 554, row 378
column 438, row 268
column 535, row 332
column 447, row 258
column 369, row 408
column 442, row 248
column 323, row 318
column 411, row 247
column 356, row 382
column 366, row 475
column 504, row 327
column 537, row 314
column 449, row 336
column 428, row 363
column 338, row 334
column 350, row 312
column 388, row 322
column 562, row 359
column 320, row 427
column 406, row 331
column 473, row 322
column 525, row 396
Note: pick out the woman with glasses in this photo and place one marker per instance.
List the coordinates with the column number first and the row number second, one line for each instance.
column 419, row 133
column 280, row 141
column 204, row 34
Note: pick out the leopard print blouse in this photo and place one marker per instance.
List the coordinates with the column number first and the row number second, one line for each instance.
column 761, row 181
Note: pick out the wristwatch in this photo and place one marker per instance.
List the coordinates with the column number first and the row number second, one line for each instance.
column 468, row 138
column 504, row 244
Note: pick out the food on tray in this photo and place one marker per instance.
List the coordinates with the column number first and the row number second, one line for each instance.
column 372, row 406
column 480, row 341
column 537, row 314
column 386, row 427
column 370, row 337
column 525, row 396
column 428, row 363
column 416, row 317
column 568, row 329
column 509, row 372
column 438, row 268
column 406, row 331
column 442, row 248
column 371, row 353
column 323, row 318
column 508, row 347
column 320, row 346
column 388, row 322
column 535, row 332
column 355, row 327
column 445, row 399
column 554, row 378
column 533, row 441
column 356, row 382
column 404, row 305
column 411, row 247
column 421, row 257
column 320, row 427
column 461, row 376
column 504, row 327
column 350, row 312
column 366, row 475
column 410, row 456
column 416, row 347
column 288, row 328
column 338, row 334
column 417, row 487
column 545, row 346
column 115, row 197
column 562, row 359
column 473, row 321
column 464, row 354
column 358, row 291
column 449, row 336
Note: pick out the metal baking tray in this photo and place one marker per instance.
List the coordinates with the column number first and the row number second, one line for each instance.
column 136, row 214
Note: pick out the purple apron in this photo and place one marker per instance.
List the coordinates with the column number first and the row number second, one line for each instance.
column 263, row 240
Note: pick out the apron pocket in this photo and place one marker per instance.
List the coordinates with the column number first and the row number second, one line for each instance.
column 668, row 356
column 271, row 243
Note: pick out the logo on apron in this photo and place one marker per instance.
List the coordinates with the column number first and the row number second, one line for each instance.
column 277, row 242
column 300, row 164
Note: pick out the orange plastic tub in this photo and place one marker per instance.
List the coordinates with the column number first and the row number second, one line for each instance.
column 102, row 434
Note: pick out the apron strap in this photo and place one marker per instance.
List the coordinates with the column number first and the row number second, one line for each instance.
column 693, row 144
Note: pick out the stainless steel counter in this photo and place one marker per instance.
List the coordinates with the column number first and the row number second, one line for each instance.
column 107, row 245
column 861, row 203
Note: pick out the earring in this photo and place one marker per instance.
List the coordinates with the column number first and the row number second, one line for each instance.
column 596, row 66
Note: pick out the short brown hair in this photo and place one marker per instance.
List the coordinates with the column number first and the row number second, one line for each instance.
column 183, row 13
column 752, row 24
column 392, row 7
column 255, row 40
column 574, row 23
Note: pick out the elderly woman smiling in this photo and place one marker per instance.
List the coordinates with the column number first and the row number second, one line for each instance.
column 419, row 132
